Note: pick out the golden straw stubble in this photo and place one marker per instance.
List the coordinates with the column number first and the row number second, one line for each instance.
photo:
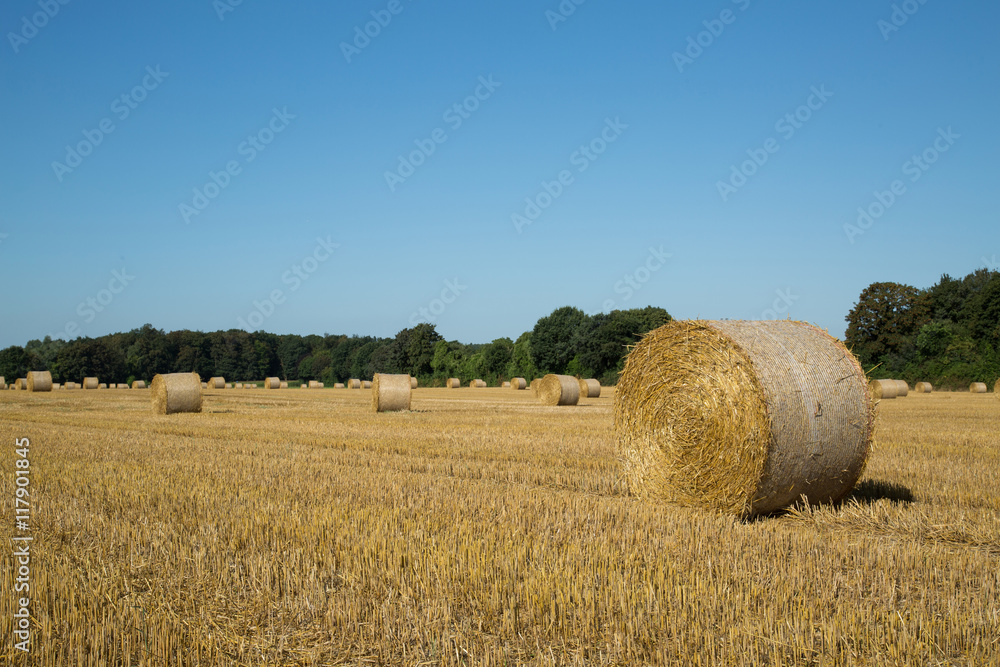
column 391, row 393
column 742, row 417
column 175, row 392
column 559, row 390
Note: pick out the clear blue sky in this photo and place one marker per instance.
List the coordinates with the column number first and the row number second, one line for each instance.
column 887, row 95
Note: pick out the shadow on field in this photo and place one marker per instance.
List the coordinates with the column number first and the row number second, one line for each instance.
column 871, row 491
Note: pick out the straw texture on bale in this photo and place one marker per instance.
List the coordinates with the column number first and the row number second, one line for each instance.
column 42, row 381
column 217, row 383
column 559, row 390
column 882, row 389
column 22, row 383
column 978, row 388
column 923, row 387
column 204, row 385
column 239, row 385
column 391, row 393
column 413, row 382
column 3, row 382
column 272, row 383
column 518, row 384
column 138, row 384
column 453, row 383
column 90, row 383
column 56, row 385
column 171, row 393
column 902, row 389
column 742, row 417
column 534, row 385
column 590, row 388
column 282, row 385
column 366, row 384
column 338, row 385
column 354, row 383
column 996, row 388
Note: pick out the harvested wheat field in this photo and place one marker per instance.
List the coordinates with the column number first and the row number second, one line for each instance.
column 302, row 528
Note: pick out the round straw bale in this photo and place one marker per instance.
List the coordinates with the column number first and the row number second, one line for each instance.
column 413, row 382
column 229, row 385
column 923, row 388
column 517, row 384
column 22, row 383
column 338, row 385
column 176, row 392
column 204, row 385
column 272, row 383
column 217, row 382
column 313, row 384
column 559, row 390
column 391, row 393
column 42, row 381
column 477, row 383
column 239, row 385
column 366, row 384
column 975, row 387
column 70, row 385
column 505, row 385
column 354, row 383
column 304, row 385
column 138, row 384
column 321, row 385
column 102, row 385
column 742, row 417
column 902, row 389
column 282, row 385
column 882, row 389
column 534, row 385
column 3, row 382
column 90, row 383
column 56, row 385
column 590, row 388
column 453, row 383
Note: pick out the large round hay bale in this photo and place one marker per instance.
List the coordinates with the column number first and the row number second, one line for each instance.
column 453, row 383
column 366, row 384
column 882, row 389
column 354, row 383
column 217, row 383
column 559, row 390
column 90, row 383
column 42, row 381
column 176, row 392
column 391, row 393
column 975, row 387
column 138, row 384
column 902, row 389
column 413, row 382
column 338, row 385
column 923, row 387
column 272, row 383
column 282, row 385
column 742, row 417
column 518, row 384
column 590, row 388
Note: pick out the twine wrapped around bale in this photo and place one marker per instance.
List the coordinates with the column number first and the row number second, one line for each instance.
column 559, row 390
column 354, row 384
column 272, row 383
column 217, row 383
column 453, row 383
column 518, row 384
column 338, row 385
column 138, row 384
column 42, row 381
column 90, row 383
column 742, row 417
column 366, row 384
column 923, row 387
column 902, row 389
column 882, row 389
column 176, row 392
column 590, row 388
column 975, row 387
column 282, row 385
column 391, row 393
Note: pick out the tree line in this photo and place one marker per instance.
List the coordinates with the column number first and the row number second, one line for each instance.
column 566, row 341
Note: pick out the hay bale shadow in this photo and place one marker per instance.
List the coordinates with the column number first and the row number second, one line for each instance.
column 871, row 491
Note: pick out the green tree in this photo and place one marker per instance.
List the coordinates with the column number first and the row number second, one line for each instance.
column 883, row 324
column 522, row 364
column 552, row 339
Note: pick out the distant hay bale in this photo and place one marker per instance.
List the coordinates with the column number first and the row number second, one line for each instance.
column 923, row 388
column 304, row 385
column 282, row 385
column 453, row 383
column 204, row 385
column 978, row 388
column 313, row 384
column 366, row 384
column 217, row 382
column 138, row 384
column 22, row 384
column 338, row 385
column 996, row 389
column 559, row 390
column 413, row 382
column 742, row 417
column 321, row 385
column 42, row 381
column 171, row 393
column 391, row 393
column 518, row 384
column 505, row 385
column 121, row 386
column 590, row 389
column 90, row 383
column 902, row 389
column 477, row 383
column 70, row 385
column 534, row 385
column 229, row 385
column 882, row 389
column 239, row 385
column 56, row 385
column 272, row 383
column 3, row 382
column 354, row 383
column 102, row 386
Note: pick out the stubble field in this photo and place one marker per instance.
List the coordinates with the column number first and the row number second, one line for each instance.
column 297, row 527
